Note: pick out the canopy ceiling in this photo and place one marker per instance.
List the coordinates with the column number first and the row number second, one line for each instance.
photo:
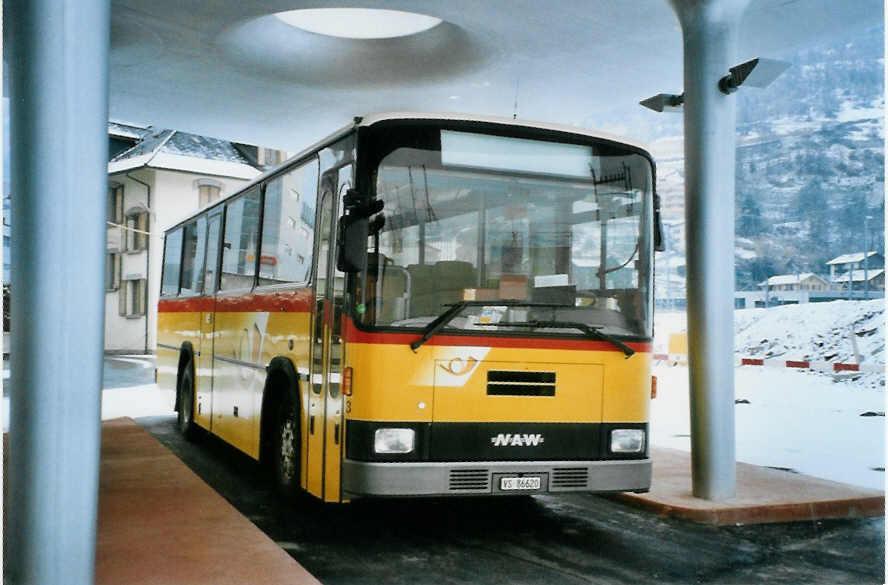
column 231, row 70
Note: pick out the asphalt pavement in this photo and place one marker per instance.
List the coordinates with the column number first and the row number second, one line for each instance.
column 527, row 540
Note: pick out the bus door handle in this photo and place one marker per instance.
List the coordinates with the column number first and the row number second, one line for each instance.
column 336, row 434
column 311, row 425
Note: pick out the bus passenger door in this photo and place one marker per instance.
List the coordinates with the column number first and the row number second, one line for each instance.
column 339, row 182
column 320, row 319
column 325, row 412
column 203, row 412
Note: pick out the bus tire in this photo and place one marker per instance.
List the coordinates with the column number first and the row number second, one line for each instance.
column 185, row 419
column 286, row 452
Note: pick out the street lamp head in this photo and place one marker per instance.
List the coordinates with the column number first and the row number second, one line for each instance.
column 664, row 102
column 755, row 73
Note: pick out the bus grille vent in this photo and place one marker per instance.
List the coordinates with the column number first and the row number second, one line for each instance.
column 464, row 480
column 570, row 477
column 520, row 383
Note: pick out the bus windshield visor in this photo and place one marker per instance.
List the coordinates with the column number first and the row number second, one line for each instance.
column 559, row 233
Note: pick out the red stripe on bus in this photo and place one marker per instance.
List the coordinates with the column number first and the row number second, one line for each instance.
column 846, row 367
column 299, row 301
column 793, row 364
column 354, row 335
column 188, row 305
column 751, row 362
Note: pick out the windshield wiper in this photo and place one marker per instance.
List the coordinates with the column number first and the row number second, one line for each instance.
column 589, row 331
column 455, row 309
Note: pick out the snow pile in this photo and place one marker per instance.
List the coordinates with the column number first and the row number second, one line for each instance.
column 836, row 332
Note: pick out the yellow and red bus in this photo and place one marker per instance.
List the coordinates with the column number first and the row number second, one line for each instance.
column 424, row 305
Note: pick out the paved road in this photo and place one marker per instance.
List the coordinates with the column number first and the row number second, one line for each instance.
column 538, row 540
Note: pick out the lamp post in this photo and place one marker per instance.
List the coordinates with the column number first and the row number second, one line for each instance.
column 709, row 32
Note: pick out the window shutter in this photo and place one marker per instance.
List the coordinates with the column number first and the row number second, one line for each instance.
column 121, row 299
column 142, row 225
column 143, row 302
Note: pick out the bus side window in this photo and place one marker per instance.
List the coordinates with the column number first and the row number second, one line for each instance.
column 172, row 263
column 193, row 256
column 288, row 225
column 240, row 242
column 212, row 263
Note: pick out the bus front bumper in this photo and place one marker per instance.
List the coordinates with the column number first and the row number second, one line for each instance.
column 363, row 479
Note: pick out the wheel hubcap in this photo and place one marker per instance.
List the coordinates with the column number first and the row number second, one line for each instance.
column 288, row 452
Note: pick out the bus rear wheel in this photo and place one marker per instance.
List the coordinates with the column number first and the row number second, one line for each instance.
column 286, row 453
column 185, row 420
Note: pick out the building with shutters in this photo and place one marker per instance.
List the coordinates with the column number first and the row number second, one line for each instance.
column 156, row 177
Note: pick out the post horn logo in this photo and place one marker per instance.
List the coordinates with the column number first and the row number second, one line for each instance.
column 458, row 366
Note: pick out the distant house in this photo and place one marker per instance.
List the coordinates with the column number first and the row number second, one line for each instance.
column 156, row 178
column 789, row 282
column 857, row 279
column 847, row 262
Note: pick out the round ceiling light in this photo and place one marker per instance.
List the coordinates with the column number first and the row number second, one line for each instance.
column 359, row 23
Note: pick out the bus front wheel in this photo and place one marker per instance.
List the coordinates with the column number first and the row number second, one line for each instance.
column 286, row 447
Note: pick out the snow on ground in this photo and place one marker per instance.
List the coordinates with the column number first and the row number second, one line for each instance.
column 132, row 401
column 850, row 112
column 136, row 401
column 793, row 420
column 806, row 421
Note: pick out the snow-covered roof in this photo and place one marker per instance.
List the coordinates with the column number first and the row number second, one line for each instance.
column 121, row 130
column 858, row 275
column 848, row 258
column 790, row 279
column 180, row 151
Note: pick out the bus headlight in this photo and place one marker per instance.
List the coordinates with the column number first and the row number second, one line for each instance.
column 394, row 440
column 627, row 441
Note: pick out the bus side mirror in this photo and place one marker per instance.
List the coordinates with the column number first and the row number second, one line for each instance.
column 353, row 232
column 354, row 229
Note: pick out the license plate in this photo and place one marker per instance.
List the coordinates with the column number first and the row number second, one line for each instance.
column 520, row 483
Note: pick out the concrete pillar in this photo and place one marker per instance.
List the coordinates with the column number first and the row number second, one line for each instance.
column 709, row 29
column 58, row 60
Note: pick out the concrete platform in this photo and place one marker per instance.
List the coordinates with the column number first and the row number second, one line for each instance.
column 764, row 495
column 159, row 523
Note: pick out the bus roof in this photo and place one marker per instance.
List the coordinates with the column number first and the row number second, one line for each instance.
column 365, row 121
column 380, row 117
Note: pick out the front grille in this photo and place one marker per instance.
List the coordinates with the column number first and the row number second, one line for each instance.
column 465, row 480
column 520, row 383
column 570, row 477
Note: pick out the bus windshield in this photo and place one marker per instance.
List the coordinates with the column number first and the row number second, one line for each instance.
column 562, row 232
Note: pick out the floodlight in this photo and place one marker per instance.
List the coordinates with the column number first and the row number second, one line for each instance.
column 755, row 72
column 664, row 102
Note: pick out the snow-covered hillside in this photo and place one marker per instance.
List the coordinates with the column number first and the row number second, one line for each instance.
column 809, row 164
